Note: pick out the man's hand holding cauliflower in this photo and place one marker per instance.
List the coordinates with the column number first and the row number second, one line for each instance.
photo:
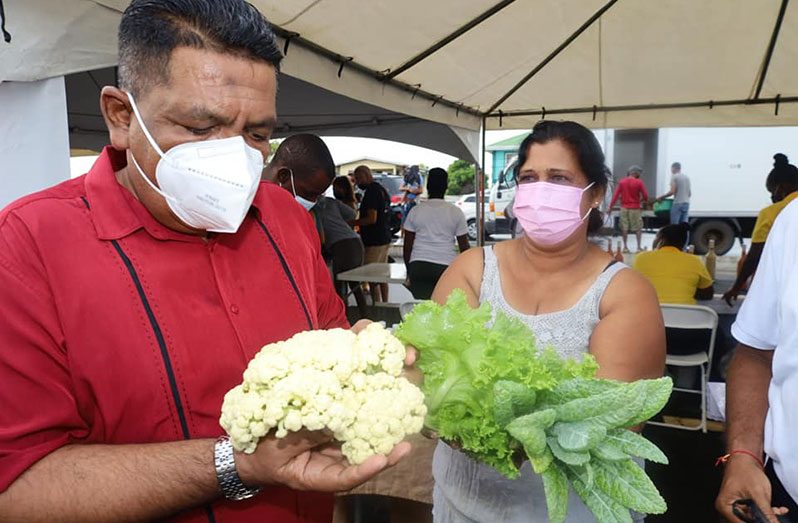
column 305, row 396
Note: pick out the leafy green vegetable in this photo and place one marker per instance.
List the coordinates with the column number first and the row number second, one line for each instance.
column 491, row 390
column 625, row 482
column 555, row 485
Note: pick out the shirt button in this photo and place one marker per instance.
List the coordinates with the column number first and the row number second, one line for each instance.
column 234, row 309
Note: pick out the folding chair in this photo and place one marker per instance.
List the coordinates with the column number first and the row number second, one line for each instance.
column 695, row 317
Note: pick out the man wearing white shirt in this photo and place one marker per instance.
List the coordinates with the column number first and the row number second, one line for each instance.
column 762, row 395
column 431, row 228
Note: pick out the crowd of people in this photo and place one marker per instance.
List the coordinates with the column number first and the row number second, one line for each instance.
column 134, row 296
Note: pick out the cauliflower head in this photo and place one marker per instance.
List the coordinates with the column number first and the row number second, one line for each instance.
column 346, row 383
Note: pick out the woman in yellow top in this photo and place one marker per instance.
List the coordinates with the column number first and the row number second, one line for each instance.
column 678, row 277
column 782, row 184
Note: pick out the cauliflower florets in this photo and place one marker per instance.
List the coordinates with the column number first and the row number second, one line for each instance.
column 335, row 380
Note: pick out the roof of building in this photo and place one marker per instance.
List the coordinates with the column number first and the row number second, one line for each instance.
column 508, row 144
column 370, row 159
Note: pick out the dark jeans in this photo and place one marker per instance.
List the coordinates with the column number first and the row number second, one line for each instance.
column 423, row 277
column 780, row 497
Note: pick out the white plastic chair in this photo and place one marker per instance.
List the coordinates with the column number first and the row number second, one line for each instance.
column 406, row 307
column 692, row 317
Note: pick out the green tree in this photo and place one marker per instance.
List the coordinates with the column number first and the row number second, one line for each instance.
column 461, row 177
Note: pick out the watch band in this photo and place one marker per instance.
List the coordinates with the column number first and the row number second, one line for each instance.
column 231, row 485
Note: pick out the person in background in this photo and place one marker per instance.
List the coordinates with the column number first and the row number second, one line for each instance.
column 782, row 184
column 303, row 166
column 632, row 193
column 344, row 192
column 133, row 297
column 374, row 223
column 762, row 384
column 570, row 293
column 680, row 190
column 678, row 277
column 413, row 186
column 431, row 229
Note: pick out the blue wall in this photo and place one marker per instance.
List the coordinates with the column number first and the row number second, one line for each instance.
column 499, row 162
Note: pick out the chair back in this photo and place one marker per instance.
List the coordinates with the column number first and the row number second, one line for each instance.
column 694, row 317
column 406, row 307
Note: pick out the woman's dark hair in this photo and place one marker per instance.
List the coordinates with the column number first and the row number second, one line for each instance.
column 780, row 159
column 674, row 235
column 343, row 190
column 784, row 175
column 437, row 182
column 584, row 145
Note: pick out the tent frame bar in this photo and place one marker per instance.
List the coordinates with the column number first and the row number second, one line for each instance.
column 448, row 39
column 647, row 107
column 771, row 47
column 349, row 62
column 552, row 55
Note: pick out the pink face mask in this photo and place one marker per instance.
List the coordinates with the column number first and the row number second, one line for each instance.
column 549, row 213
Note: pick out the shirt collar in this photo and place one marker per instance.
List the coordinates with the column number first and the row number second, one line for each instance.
column 116, row 213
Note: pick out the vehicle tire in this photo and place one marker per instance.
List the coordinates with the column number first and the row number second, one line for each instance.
column 722, row 231
column 472, row 229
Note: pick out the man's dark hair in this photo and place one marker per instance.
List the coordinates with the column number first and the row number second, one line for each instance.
column 151, row 29
column 677, row 166
column 583, row 144
column 674, row 235
column 437, row 182
column 305, row 154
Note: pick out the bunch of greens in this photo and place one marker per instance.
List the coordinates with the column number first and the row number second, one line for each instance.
column 490, row 390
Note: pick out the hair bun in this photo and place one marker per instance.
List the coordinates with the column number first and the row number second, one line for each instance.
column 780, row 160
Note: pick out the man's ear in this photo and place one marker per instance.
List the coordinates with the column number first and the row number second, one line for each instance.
column 283, row 176
column 117, row 114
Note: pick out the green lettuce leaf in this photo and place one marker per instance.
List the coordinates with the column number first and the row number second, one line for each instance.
column 555, row 485
column 627, row 483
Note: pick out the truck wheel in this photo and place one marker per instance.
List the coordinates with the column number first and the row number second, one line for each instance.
column 721, row 230
column 472, row 229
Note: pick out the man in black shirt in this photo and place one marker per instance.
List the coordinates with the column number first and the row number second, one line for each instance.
column 375, row 209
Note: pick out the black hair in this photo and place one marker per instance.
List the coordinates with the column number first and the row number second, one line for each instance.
column 676, row 165
column 674, row 235
column 151, row 29
column 343, row 190
column 584, row 145
column 304, row 154
column 783, row 175
column 780, row 159
column 437, row 182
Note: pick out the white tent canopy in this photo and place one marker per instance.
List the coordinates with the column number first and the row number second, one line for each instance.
column 616, row 63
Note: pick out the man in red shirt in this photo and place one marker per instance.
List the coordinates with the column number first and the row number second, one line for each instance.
column 134, row 296
column 632, row 191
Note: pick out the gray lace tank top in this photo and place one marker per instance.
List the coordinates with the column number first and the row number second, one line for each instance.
column 467, row 491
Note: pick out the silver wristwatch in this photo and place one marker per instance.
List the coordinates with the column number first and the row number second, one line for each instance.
column 229, row 482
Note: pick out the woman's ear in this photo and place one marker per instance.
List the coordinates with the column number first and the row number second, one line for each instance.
column 117, row 113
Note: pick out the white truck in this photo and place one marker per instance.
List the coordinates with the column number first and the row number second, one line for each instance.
column 727, row 168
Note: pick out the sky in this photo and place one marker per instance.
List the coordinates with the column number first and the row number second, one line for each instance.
column 345, row 149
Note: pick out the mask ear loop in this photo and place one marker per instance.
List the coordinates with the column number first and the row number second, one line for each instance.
column 146, row 131
column 293, row 188
column 153, row 144
column 589, row 210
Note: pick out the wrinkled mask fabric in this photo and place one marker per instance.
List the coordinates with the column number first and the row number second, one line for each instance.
column 209, row 185
column 307, row 204
column 549, row 213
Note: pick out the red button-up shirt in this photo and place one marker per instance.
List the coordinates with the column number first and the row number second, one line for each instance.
column 115, row 329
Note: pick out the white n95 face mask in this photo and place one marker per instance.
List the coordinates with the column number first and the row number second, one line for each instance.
column 208, row 185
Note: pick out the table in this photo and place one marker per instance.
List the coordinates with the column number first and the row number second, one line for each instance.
column 376, row 273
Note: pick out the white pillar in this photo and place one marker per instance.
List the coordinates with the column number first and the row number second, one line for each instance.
column 34, row 137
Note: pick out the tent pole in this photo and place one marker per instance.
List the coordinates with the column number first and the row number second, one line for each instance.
column 479, row 183
column 771, row 46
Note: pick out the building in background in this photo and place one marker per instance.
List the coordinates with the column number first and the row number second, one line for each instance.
column 377, row 166
column 503, row 153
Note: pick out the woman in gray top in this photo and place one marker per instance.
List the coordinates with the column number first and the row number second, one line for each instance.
column 569, row 292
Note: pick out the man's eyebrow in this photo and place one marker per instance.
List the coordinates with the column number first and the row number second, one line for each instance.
column 268, row 123
column 204, row 114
